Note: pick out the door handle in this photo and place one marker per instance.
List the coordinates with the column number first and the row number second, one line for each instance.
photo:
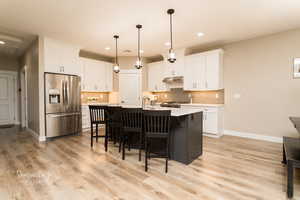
column 122, row 101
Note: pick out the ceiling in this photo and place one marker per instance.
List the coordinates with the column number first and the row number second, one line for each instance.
column 16, row 42
column 92, row 23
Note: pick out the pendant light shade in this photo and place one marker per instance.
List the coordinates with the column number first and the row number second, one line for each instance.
column 116, row 65
column 139, row 63
column 172, row 57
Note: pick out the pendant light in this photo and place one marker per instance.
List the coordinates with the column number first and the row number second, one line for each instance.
column 139, row 63
column 116, row 66
column 172, row 57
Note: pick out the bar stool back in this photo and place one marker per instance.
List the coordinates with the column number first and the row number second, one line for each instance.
column 114, row 125
column 157, row 127
column 132, row 121
column 97, row 116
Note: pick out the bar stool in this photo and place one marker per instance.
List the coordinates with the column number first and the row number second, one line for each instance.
column 157, row 127
column 97, row 116
column 114, row 125
column 132, row 120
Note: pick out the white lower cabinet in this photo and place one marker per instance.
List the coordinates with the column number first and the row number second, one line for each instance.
column 86, row 122
column 212, row 119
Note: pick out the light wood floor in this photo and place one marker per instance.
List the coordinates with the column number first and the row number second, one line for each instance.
column 67, row 168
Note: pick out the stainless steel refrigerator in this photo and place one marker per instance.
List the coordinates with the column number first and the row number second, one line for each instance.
column 62, row 104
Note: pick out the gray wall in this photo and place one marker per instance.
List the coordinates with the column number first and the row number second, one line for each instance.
column 31, row 60
column 260, row 70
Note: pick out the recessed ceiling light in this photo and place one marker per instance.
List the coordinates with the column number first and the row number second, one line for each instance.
column 107, row 48
column 200, row 34
column 141, row 51
column 167, row 43
column 2, row 42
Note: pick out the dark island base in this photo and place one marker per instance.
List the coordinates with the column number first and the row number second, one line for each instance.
column 186, row 138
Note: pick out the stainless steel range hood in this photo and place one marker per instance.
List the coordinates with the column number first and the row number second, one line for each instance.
column 174, row 79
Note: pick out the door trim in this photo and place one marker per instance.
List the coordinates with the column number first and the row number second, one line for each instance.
column 24, row 106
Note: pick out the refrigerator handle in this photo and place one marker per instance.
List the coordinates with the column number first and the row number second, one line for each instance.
column 67, row 92
column 63, row 91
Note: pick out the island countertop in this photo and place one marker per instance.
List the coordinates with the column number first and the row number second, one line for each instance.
column 175, row 112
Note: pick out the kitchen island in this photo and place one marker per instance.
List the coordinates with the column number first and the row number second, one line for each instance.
column 186, row 133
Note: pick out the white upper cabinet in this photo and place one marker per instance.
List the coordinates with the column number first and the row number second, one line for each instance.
column 96, row 75
column 156, row 73
column 204, row 71
column 61, row 58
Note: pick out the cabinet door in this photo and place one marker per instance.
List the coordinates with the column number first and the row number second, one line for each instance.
column 188, row 75
column 211, row 122
column 153, row 76
column 82, row 74
column 212, row 70
column 52, row 56
column 101, row 76
column 200, row 72
column 194, row 78
column 109, row 77
column 91, row 75
column 70, row 60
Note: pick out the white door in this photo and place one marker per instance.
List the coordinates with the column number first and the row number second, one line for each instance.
column 130, row 87
column 6, row 99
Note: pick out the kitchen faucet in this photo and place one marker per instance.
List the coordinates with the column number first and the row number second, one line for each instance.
column 145, row 98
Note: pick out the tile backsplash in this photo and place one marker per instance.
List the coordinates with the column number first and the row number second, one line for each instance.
column 94, row 97
column 204, row 97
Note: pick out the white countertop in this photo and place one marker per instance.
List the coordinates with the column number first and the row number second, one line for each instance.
column 175, row 112
column 185, row 104
column 204, row 105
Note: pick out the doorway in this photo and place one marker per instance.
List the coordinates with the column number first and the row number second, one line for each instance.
column 8, row 95
column 130, row 87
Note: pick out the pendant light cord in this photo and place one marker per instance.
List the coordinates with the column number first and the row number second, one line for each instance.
column 139, row 45
column 171, row 32
column 117, row 62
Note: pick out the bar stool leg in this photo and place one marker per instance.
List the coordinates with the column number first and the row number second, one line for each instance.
column 123, row 147
column 92, row 135
column 120, row 141
column 97, row 135
column 146, row 155
column 167, row 157
column 106, row 138
column 140, row 147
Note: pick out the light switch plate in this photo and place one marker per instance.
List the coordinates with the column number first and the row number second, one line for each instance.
column 236, row 96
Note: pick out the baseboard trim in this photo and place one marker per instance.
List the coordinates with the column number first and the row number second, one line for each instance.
column 36, row 135
column 33, row 133
column 42, row 138
column 211, row 135
column 253, row 136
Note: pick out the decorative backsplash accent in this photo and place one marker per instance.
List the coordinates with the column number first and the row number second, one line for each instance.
column 94, row 97
column 203, row 97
